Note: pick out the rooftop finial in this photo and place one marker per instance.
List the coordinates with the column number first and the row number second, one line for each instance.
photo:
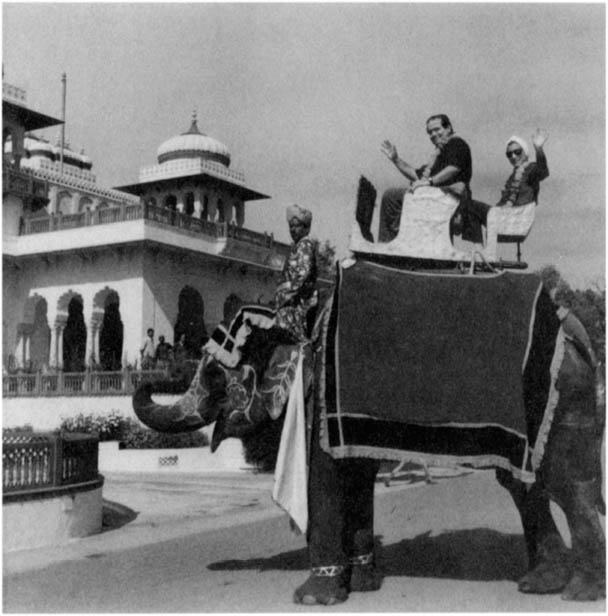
column 193, row 130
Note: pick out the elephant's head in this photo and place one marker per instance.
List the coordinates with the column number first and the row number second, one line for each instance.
column 237, row 400
column 198, row 407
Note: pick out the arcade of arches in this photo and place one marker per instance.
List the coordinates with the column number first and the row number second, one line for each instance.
column 76, row 340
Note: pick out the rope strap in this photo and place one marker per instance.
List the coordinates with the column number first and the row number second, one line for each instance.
column 329, row 571
column 363, row 559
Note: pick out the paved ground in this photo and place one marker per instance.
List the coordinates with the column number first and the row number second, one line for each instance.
column 218, row 544
column 146, row 508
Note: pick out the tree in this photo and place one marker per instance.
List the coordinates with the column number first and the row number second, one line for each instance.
column 326, row 260
column 588, row 305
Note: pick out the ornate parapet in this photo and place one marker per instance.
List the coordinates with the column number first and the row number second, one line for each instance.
column 179, row 168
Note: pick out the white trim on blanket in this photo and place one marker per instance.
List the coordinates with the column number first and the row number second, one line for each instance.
column 552, row 401
column 488, row 461
column 531, row 321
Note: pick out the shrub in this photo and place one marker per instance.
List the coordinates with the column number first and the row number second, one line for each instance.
column 110, row 427
column 24, row 428
column 143, row 438
column 130, row 433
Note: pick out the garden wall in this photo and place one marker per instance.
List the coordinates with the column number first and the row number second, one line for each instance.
column 229, row 457
column 52, row 520
column 45, row 414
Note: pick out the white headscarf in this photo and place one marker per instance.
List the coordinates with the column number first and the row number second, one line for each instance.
column 521, row 142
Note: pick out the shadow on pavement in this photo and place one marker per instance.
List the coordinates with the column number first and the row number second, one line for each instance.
column 479, row 554
column 116, row 515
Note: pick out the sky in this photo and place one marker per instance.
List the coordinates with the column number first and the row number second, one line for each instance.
column 303, row 95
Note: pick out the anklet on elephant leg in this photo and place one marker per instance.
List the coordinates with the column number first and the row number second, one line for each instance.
column 364, row 577
column 362, row 559
column 328, row 571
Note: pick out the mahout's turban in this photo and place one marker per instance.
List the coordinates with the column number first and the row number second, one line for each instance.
column 301, row 214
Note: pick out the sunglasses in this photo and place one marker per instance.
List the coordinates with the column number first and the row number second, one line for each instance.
column 514, row 153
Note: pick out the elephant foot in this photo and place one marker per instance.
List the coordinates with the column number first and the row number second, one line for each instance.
column 325, row 586
column 585, row 586
column 365, row 578
column 546, row 578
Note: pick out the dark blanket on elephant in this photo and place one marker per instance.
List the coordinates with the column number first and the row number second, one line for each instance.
column 437, row 364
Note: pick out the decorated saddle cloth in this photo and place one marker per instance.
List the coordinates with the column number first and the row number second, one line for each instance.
column 441, row 368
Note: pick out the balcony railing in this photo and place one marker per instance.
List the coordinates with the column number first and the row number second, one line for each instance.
column 24, row 184
column 89, row 383
column 34, row 462
column 162, row 215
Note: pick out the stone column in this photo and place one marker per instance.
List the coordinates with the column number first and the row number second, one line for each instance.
column 61, row 323
column 198, row 205
column 26, row 348
column 53, row 353
column 95, row 333
column 19, row 350
column 180, row 202
column 22, row 351
column 52, row 206
column 89, row 354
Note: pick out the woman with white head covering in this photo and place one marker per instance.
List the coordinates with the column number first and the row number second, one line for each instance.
column 520, row 193
column 523, row 184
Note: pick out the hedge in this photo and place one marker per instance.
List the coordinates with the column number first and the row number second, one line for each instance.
column 130, row 433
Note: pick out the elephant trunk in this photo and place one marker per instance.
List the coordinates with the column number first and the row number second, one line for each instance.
column 198, row 407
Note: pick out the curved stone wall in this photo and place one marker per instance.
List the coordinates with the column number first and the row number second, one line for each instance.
column 53, row 518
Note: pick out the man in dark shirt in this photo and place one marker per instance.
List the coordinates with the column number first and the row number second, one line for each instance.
column 450, row 166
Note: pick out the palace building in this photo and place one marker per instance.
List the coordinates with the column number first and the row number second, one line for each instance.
column 87, row 269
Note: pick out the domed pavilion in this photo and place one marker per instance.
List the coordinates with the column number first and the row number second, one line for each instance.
column 193, row 176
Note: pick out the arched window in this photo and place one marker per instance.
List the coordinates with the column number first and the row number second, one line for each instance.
column 191, row 321
column 189, row 204
column 85, row 202
column 205, row 208
column 111, row 334
column 35, row 315
column 64, row 203
column 74, row 337
column 170, row 202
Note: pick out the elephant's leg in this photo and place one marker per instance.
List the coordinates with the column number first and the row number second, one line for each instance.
column 328, row 581
column 358, row 531
column 548, row 565
column 570, row 473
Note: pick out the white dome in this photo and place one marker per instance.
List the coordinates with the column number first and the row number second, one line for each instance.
column 193, row 144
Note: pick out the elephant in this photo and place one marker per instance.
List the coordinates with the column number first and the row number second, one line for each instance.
column 340, row 532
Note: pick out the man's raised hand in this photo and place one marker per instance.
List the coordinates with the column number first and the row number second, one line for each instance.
column 389, row 150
